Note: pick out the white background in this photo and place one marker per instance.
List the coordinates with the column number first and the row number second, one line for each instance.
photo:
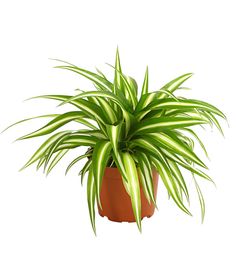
column 44, row 222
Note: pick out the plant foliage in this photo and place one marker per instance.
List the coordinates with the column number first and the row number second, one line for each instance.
column 135, row 132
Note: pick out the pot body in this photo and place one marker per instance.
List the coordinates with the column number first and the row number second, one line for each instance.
column 116, row 203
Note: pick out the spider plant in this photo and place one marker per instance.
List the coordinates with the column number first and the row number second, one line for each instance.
column 133, row 130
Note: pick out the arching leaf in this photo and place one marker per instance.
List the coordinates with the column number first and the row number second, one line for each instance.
column 133, row 182
column 91, row 196
column 153, row 125
column 174, row 84
column 100, row 157
column 145, row 83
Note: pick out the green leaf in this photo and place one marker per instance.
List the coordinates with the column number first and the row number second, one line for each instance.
column 85, row 169
column 197, row 138
column 133, row 84
column 128, row 116
column 189, row 113
column 146, row 176
column 130, row 93
column 145, row 83
column 98, row 102
column 179, row 177
column 170, row 104
column 169, row 182
column 174, row 84
column 91, row 195
column 201, row 198
column 147, row 145
column 108, row 111
column 133, row 182
column 213, row 119
column 129, row 121
column 27, row 119
column 103, row 94
column 56, row 159
column 80, row 140
column 40, row 162
column 56, row 97
column 44, row 148
column 143, row 102
column 118, row 82
column 147, row 99
column 207, row 107
column 101, row 73
column 101, row 155
column 120, row 164
column 93, row 133
column 54, row 124
column 52, row 149
column 144, row 185
column 68, row 142
column 170, row 141
column 184, row 88
column 102, row 127
column 153, row 125
column 113, row 132
column 99, row 80
column 168, row 94
column 86, row 123
column 76, row 160
column 90, row 109
column 178, row 160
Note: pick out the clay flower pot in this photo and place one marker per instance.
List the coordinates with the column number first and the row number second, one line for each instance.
column 116, row 204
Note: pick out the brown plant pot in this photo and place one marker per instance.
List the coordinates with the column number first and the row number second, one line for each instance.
column 116, row 204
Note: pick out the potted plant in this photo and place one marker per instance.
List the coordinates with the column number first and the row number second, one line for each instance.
column 132, row 137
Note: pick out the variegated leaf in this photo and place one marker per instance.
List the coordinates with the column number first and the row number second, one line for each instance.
column 91, row 196
column 100, row 157
column 134, row 189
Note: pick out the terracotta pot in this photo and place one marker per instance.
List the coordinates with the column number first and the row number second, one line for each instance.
column 116, row 204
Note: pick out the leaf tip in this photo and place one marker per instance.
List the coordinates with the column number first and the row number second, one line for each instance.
column 99, row 202
column 22, row 168
column 139, row 227
column 16, row 140
column 27, row 99
column 61, row 104
column 20, row 138
column 94, row 230
column 117, row 49
column 190, row 214
column 4, row 130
